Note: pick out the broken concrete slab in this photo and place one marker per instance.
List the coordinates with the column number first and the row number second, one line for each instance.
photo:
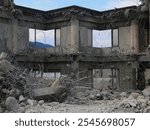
column 123, row 94
column 57, row 91
column 11, row 104
column 146, row 91
column 30, row 102
column 41, row 93
column 134, row 95
column 99, row 96
column 92, row 97
column 1, row 78
column 147, row 110
column 133, row 102
column 3, row 55
column 102, row 83
column 21, row 98
column 1, row 110
column 15, row 92
column 41, row 102
column 140, row 97
column 6, row 66
column 49, row 93
column 22, row 110
column 0, row 88
column 2, row 74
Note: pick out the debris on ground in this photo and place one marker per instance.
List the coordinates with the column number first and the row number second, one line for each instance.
column 20, row 92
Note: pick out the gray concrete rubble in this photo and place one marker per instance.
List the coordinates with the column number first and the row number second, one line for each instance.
column 11, row 104
column 146, row 91
column 62, row 95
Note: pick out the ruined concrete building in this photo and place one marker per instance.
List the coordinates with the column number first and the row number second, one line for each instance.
column 88, row 45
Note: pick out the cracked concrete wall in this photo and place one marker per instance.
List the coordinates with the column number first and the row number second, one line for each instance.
column 86, row 74
column 85, row 37
column 125, row 39
column 65, row 38
column 13, row 37
column 6, row 2
column 5, row 36
column 8, row 35
column 128, row 41
column 74, row 36
column 127, row 75
column 22, row 38
column 1, row 2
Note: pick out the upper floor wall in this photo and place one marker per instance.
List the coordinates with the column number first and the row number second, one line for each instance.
column 80, row 31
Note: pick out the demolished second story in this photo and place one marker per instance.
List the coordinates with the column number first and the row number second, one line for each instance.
column 73, row 30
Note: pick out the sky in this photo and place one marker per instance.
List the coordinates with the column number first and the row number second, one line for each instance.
column 93, row 4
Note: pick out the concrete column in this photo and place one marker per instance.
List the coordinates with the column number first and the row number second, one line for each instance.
column 1, row 2
column 14, row 29
column 134, row 37
column 75, row 68
column 74, row 45
column 127, row 77
column 149, row 22
column 7, row 3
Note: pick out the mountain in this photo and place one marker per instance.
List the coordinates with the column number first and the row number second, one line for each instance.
column 39, row 45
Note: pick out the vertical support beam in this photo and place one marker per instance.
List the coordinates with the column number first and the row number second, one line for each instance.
column 75, row 68
column 8, row 3
column 1, row 2
column 74, row 47
column 14, row 29
column 118, row 79
column 112, row 76
column 91, row 77
column 134, row 37
column 149, row 23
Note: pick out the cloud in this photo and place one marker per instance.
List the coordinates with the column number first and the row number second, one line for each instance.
column 46, row 37
column 101, row 38
column 121, row 3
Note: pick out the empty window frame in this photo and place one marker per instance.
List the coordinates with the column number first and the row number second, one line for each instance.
column 47, row 75
column 102, row 39
column 105, row 38
column 44, row 39
column 52, row 75
column 106, row 78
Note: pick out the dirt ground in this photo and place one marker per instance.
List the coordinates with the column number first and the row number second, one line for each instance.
column 95, row 102
column 95, row 107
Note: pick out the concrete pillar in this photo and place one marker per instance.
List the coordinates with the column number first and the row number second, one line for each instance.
column 127, row 77
column 149, row 22
column 14, row 29
column 134, row 37
column 1, row 2
column 6, row 3
column 75, row 68
column 145, row 5
column 74, row 45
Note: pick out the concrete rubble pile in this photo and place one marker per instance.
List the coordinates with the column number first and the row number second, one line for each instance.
column 18, row 89
column 13, row 84
column 56, row 91
column 20, row 93
column 136, row 101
